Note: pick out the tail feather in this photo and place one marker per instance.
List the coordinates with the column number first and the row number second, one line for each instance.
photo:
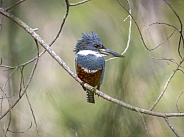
column 90, row 97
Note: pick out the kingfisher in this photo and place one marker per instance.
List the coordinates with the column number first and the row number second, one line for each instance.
column 90, row 62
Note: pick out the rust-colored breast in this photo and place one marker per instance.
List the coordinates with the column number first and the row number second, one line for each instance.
column 92, row 78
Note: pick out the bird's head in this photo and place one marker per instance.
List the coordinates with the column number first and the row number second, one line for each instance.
column 93, row 42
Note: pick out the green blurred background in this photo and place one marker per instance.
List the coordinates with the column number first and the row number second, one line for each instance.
column 59, row 102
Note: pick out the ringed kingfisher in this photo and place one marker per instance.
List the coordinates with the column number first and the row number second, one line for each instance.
column 89, row 61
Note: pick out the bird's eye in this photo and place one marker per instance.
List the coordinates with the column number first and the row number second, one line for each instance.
column 97, row 46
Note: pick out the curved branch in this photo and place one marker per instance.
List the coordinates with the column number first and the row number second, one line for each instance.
column 62, row 24
column 181, row 28
column 67, row 68
column 79, row 3
column 129, row 30
column 166, row 85
column 177, row 100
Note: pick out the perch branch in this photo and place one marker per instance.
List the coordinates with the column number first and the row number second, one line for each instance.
column 67, row 68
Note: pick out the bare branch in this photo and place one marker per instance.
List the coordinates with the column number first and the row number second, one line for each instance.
column 67, row 68
column 178, row 100
column 1, row 20
column 1, row 17
column 180, row 31
column 164, row 23
column 129, row 31
column 167, row 59
column 130, row 25
column 181, row 39
column 171, row 127
column 24, row 86
column 163, row 41
column 21, row 131
column 181, row 24
column 62, row 24
column 166, row 85
column 34, row 117
column 24, row 90
column 145, row 126
column 14, row 5
column 181, row 28
column 30, row 106
column 79, row 3
column 9, row 122
column 136, row 26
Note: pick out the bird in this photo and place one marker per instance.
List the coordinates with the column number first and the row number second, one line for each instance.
column 90, row 62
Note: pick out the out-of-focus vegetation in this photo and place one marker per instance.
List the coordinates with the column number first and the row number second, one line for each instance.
column 59, row 102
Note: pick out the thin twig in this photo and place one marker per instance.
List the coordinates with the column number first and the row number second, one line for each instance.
column 179, row 43
column 1, row 18
column 30, row 106
column 167, row 59
column 24, row 90
column 53, row 41
column 129, row 30
column 181, row 24
column 21, row 131
column 181, row 28
column 178, row 100
column 171, row 127
column 14, row 5
column 8, row 96
column 163, row 41
column 181, row 70
column 145, row 126
column 164, row 23
column 130, row 26
column 62, row 24
column 67, row 68
column 3, row 127
column 32, row 112
column 9, row 104
column 9, row 122
column 79, row 3
column 165, row 86
column 21, row 80
column 136, row 26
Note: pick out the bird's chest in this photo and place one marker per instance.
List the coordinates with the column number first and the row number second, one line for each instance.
column 90, row 60
column 90, row 68
column 91, row 77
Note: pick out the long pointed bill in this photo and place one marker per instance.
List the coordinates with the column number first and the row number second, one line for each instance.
column 110, row 52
